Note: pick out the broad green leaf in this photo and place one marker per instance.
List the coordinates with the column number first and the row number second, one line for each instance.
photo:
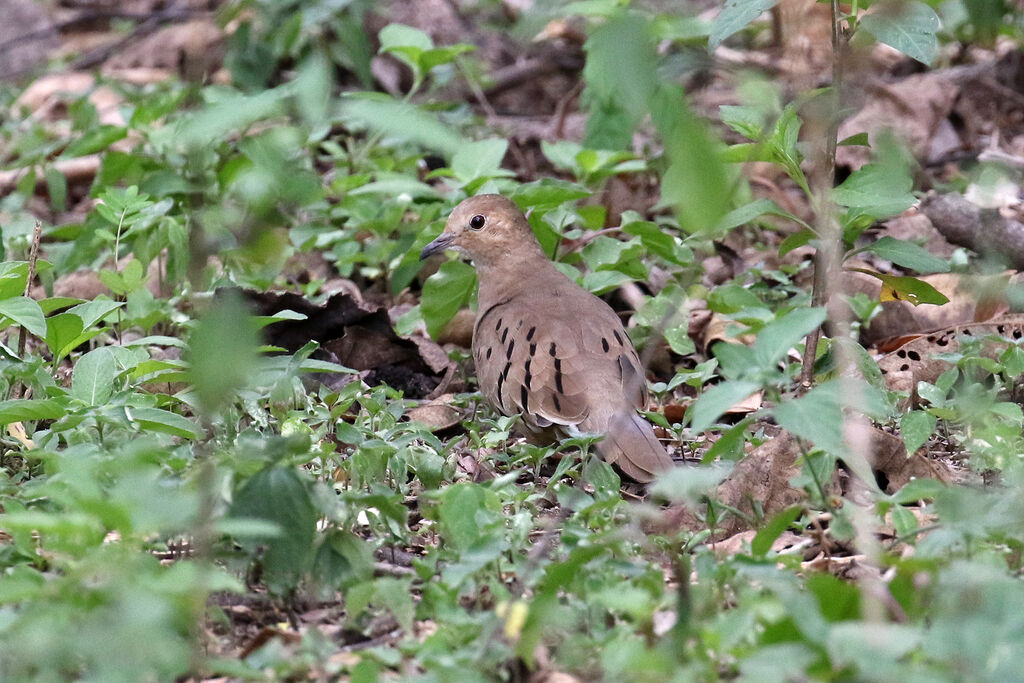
column 548, row 193
column 92, row 380
column 96, row 139
column 679, row 340
column 460, row 505
column 313, row 88
column 444, row 293
column 695, row 165
column 817, row 417
column 157, row 420
column 397, row 186
column 620, row 73
column 777, row 337
column 602, row 281
column 797, row 239
column 762, row 542
column 917, row 490
column 91, row 312
column 735, row 16
column 690, row 484
column 908, row 255
column 879, row 190
column 13, row 275
column 755, row 209
column 218, row 120
column 23, row 409
column 907, row 25
column 25, row 312
column 906, row 288
column 659, row 241
column 713, row 402
column 855, row 140
column 343, row 559
column 278, row 495
column 401, row 121
column 481, row 159
column 222, row 352
column 55, row 303
column 61, row 332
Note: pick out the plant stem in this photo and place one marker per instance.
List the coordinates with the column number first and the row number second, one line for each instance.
column 827, row 258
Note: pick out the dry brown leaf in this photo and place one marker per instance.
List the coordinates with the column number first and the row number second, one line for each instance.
column 912, row 108
column 916, row 360
column 438, row 414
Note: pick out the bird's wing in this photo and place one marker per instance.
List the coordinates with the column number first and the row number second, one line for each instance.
column 557, row 367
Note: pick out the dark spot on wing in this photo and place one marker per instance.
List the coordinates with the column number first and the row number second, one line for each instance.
column 558, row 376
column 604, row 344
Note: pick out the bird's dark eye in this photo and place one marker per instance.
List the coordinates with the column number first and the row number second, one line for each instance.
column 477, row 222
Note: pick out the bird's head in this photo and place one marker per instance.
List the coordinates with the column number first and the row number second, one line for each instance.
column 488, row 228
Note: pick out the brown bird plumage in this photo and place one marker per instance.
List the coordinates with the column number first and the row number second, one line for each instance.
column 544, row 346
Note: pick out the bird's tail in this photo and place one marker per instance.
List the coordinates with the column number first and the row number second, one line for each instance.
column 630, row 444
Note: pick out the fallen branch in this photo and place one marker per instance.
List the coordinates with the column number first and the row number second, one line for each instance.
column 984, row 231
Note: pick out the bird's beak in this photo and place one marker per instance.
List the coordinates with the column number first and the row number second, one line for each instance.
column 442, row 242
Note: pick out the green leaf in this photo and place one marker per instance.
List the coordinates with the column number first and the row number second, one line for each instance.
column 679, row 340
column 222, row 352
column 602, row 281
column 816, row 416
column 906, row 288
column 164, row 421
column 481, row 159
column 444, row 293
column 91, row 312
column 856, row 140
column 92, row 380
column 342, row 560
column 94, row 140
column 25, row 312
column 620, row 73
column 879, row 190
column 13, row 275
column 695, row 166
column 735, row 16
column 23, row 409
column 401, row 121
column 755, row 209
column 280, row 496
column 908, row 255
column 907, row 25
column 762, row 542
column 797, row 239
column 917, row 490
column 713, row 402
column 777, row 337
column 460, row 504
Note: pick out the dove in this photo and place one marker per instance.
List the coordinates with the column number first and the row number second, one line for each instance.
column 546, row 348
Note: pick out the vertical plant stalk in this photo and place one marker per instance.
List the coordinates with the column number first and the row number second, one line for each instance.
column 33, row 259
column 828, row 256
column 18, row 389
